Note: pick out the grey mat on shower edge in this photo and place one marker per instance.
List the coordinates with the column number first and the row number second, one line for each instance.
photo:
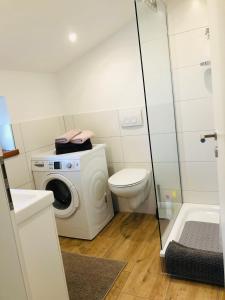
column 198, row 254
column 202, row 236
column 90, row 278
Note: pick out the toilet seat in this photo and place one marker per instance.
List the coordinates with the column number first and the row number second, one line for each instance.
column 128, row 177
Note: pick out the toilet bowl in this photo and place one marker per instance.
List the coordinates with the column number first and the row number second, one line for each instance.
column 131, row 185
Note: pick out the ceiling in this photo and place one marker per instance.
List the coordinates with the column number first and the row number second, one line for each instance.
column 34, row 33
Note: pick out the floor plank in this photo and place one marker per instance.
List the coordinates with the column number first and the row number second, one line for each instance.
column 184, row 290
column 134, row 238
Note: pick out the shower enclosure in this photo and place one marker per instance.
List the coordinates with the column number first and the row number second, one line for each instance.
column 157, row 80
column 194, row 227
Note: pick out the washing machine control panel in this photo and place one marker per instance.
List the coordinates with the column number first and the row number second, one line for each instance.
column 70, row 165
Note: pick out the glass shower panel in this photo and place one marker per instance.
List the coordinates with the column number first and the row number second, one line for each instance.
column 155, row 55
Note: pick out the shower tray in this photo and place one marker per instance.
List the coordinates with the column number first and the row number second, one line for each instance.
column 193, row 250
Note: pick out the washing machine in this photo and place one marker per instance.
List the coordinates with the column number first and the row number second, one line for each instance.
column 79, row 182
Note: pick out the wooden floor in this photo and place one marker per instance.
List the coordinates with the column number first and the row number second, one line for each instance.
column 134, row 238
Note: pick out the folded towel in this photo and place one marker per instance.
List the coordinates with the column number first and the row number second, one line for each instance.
column 82, row 137
column 65, row 138
column 69, row 147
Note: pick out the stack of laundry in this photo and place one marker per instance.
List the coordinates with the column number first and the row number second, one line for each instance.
column 73, row 141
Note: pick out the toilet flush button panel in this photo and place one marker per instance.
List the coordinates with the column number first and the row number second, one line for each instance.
column 131, row 118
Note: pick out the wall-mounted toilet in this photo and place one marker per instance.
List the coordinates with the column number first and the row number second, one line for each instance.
column 131, row 185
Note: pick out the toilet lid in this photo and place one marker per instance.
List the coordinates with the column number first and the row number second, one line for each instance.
column 128, row 177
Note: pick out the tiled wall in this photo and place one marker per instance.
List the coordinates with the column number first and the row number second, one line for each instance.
column 125, row 147
column 192, row 84
column 31, row 137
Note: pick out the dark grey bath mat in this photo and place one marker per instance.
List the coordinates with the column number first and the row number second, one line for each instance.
column 198, row 255
column 90, row 278
column 193, row 264
column 202, row 236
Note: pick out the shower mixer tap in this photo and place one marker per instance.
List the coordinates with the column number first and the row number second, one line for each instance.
column 208, row 136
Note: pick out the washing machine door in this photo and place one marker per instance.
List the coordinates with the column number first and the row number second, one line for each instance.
column 65, row 194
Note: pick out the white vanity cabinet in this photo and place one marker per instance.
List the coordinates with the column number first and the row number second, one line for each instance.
column 39, row 244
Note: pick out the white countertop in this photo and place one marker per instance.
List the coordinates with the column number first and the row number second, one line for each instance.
column 29, row 202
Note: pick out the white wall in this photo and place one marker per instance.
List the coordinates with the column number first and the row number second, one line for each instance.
column 109, row 78
column 106, row 78
column 30, row 95
column 97, row 88
column 189, row 47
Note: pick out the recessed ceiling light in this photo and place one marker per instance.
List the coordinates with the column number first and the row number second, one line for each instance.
column 72, row 37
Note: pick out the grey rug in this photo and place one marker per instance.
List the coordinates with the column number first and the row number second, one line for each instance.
column 202, row 236
column 90, row 278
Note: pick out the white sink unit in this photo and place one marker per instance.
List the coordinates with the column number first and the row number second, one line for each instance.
column 38, row 237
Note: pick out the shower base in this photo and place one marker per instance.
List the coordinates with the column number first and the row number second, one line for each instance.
column 191, row 212
column 192, row 250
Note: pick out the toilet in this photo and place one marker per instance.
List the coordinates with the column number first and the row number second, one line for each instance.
column 131, row 185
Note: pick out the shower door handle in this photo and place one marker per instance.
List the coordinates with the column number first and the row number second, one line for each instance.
column 208, row 136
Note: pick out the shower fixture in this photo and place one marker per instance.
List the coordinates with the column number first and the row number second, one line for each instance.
column 150, row 3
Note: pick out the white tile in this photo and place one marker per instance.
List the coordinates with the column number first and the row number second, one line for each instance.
column 147, row 166
column 104, row 123
column 184, row 15
column 195, row 115
column 18, row 137
column 115, row 149
column 189, row 48
column 115, row 167
column 152, row 25
column 167, row 175
column 201, row 197
column 136, row 148
column 139, row 130
column 40, row 133
column 192, row 83
column 199, row 176
column 62, row 127
column 69, row 122
column 114, row 152
column 157, row 72
column 17, row 171
column 161, row 118
column 192, row 150
column 164, row 147
column 28, row 186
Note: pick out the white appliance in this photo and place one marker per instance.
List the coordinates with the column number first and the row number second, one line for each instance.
column 79, row 181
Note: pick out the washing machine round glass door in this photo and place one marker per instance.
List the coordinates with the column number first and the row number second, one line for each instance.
column 65, row 195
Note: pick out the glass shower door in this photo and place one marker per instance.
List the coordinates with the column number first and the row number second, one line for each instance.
column 155, row 57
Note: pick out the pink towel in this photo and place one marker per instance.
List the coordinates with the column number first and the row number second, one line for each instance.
column 65, row 138
column 82, row 137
